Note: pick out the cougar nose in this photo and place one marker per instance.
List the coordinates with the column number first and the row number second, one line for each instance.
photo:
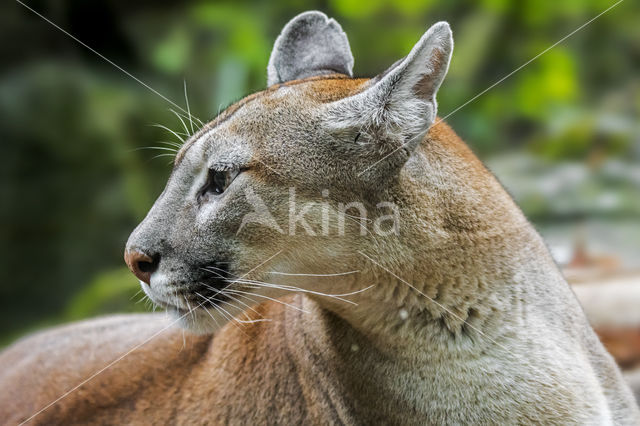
column 141, row 264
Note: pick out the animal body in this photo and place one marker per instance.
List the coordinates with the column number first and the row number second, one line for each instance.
column 399, row 282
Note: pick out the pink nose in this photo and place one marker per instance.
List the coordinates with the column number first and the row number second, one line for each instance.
column 141, row 264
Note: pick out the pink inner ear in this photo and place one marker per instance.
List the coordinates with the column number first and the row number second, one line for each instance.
column 425, row 87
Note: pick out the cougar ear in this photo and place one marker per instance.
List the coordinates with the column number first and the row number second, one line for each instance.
column 310, row 44
column 397, row 107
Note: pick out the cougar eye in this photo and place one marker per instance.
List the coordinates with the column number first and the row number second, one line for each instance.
column 218, row 181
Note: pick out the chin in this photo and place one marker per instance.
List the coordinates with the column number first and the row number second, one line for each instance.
column 198, row 321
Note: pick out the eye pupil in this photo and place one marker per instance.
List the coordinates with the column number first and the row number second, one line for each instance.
column 218, row 181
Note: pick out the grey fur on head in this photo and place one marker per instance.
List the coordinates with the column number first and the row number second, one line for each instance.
column 310, row 44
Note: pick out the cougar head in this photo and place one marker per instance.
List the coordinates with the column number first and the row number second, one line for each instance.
column 252, row 209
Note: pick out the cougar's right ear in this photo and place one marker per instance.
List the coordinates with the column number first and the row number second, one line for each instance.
column 310, row 44
column 387, row 120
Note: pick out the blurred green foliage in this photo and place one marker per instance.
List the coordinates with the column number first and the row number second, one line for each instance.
column 75, row 181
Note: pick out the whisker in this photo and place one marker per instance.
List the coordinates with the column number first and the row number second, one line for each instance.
column 252, row 321
column 357, row 218
column 186, row 98
column 233, row 306
column 236, row 298
column 243, row 304
column 267, row 297
column 176, row 134
column 296, row 289
column 248, row 306
column 224, row 301
column 181, row 120
column 209, row 269
column 178, row 298
column 209, row 299
column 293, row 288
column 162, row 155
column 143, row 299
column 244, row 297
column 222, row 311
column 189, row 306
column 217, row 291
column 159, row 148
column 291, row 274
column 352, row 219
column 176, row 145
column 217, row 274
column 197, row 120
column 137, row 293
column 212, row 317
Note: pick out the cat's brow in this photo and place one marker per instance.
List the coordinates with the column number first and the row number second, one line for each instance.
column 232, row 109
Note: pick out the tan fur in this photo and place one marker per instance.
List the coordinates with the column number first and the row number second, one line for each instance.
column 278, row 371
column 469, row 320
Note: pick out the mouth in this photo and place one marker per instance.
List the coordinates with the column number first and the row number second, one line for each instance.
column 207, row 292
column 201, row 299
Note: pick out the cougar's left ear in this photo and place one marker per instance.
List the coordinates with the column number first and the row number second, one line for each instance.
column 394, row 112
column 310, row 44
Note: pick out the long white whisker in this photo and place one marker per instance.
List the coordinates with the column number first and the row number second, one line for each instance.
column 293, row 288
column 212, row 317
column 186, row 98
column 217, row 274
column 249, row 321
column 162, row 155
column 248, row 306
column 197, row 120
column 291, row 274
column 217, row 291
column 252, row 321
column 357, row 218
column 224, row 301
column 159, row 148
column 173, row 144
column 176, row 134
column 244, row 297
column 208, row 268
column 223, row 311
column 209, row 299
column 137, row 293
column 358, row 223
column 256, row 267
column 267, row 297
column 228, row 318
column 181, row 120
column 175, row 294
column 189, row 306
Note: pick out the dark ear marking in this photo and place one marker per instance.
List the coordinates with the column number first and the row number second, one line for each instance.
column 427, row 86
column 310, row 44
column 396, row 109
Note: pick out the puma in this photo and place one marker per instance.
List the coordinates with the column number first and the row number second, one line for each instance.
column 457, row 315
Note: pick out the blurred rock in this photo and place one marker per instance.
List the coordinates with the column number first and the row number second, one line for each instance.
column 612, row 305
